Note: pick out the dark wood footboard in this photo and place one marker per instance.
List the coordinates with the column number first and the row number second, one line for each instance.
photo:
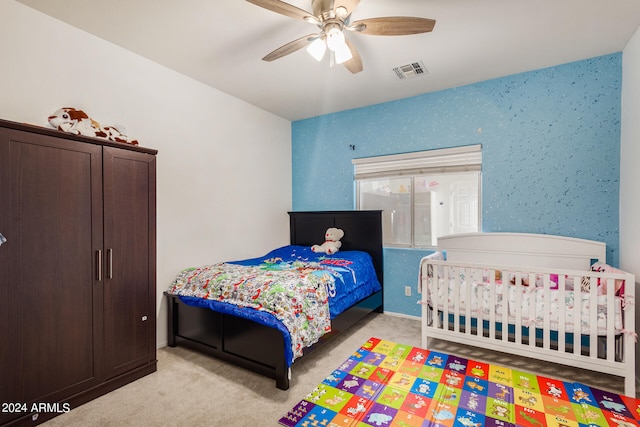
column 246, row 343
column 237, row 340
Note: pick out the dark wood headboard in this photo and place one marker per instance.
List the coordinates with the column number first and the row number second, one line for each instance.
column 362, row 231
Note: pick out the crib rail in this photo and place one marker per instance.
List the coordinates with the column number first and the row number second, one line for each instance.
column 563, row 316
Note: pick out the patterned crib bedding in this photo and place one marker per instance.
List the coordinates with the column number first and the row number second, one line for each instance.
column 291, row 288
column 534, row 309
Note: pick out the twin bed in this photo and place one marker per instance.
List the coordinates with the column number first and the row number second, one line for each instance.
column 547, row 297
column 231, row 321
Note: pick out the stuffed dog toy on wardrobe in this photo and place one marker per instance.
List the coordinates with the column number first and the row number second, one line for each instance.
column 79, row 123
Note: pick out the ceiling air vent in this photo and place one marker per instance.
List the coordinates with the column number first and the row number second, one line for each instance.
column 409, row 71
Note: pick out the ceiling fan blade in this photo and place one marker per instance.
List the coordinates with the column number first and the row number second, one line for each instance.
column 393, row 26
column 282, row 8
column 290, row 47
column 355, row 63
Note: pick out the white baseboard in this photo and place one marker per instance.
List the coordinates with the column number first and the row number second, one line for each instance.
column 405, row 316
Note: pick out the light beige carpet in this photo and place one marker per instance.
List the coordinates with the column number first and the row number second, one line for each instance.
column 191, row 389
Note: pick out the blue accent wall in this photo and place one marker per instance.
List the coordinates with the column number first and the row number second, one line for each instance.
column 551, row 154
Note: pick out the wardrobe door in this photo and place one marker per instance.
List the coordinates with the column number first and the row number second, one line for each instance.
column 50, row 298
column 129, row 242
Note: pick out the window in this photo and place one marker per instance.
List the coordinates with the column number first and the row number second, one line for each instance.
column 422, row 195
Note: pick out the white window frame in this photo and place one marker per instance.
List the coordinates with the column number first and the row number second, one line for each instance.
column 409, row 165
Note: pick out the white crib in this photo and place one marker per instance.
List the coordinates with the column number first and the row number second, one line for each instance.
column 532, row 295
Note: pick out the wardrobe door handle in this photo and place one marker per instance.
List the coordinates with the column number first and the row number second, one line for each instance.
column 109, row 263
column 99, row 265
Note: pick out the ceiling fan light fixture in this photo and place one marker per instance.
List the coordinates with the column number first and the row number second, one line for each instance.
column 341, row 12
column 337, row 43
column 317, row 49
column 335, row 38
column 343, row 54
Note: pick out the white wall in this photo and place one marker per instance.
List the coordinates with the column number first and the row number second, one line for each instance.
column 224, row 166
column 630, row 170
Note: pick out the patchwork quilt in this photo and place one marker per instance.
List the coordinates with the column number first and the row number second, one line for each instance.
column 390, row 384
column 297, row 299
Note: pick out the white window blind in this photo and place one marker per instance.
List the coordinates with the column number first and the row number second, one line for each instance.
column 458, row 159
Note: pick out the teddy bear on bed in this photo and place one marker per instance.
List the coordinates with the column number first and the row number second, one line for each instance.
column 78, row 122
column 331, row 243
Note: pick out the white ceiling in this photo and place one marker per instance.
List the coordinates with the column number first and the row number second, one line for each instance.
column 221, row 43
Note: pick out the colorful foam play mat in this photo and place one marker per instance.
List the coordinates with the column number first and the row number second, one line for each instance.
column 389, row 384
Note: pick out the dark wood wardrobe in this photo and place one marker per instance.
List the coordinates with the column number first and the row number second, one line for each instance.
column 77, row 270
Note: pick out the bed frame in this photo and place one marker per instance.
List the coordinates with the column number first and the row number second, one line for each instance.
column 529, row 256
column 260, row 348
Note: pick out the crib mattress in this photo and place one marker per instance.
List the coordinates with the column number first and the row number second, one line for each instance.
column 528, row 303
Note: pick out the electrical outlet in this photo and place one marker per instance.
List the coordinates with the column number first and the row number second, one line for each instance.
column 407, row 291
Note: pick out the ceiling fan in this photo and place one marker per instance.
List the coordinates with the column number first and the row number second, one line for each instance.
column 332, row 17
